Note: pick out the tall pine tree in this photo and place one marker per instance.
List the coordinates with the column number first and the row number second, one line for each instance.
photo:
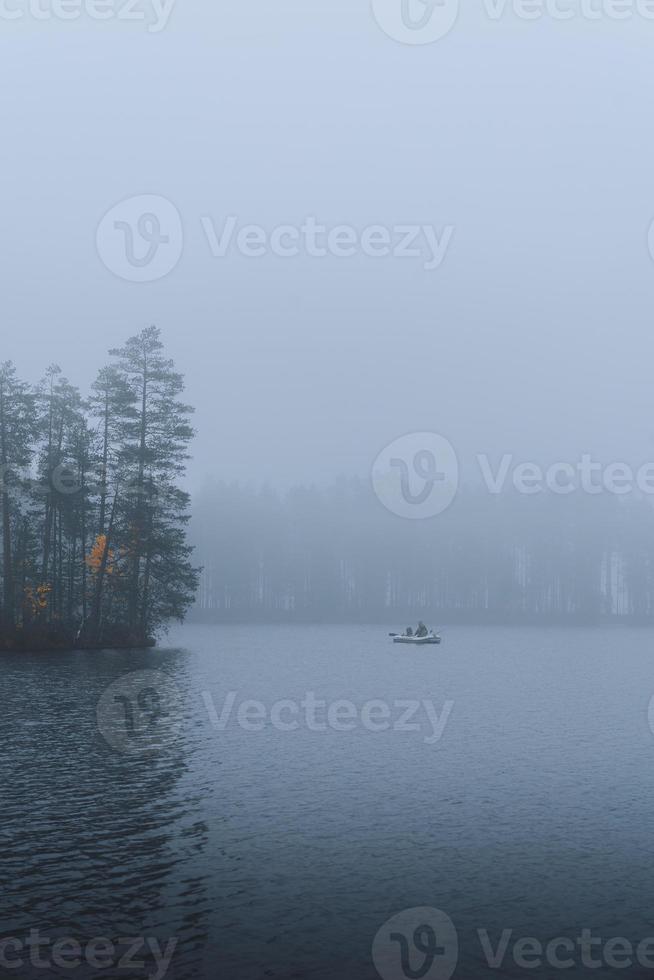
column 155, row 511
column 17, row 430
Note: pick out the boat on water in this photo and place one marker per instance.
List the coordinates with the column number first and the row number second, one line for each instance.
column 418, row 641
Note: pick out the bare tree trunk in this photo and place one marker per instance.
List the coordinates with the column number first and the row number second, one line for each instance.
column 9, row 615
column 105, row 464
column 138, row 528
column 83, row 540
column 96, row 607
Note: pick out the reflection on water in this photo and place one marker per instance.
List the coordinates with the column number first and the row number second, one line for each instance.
column 273, row 852
column 97, row 843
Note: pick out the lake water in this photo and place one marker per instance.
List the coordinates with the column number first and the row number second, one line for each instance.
column 276, row 839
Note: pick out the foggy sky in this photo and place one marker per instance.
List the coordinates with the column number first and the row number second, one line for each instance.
column 533, row 139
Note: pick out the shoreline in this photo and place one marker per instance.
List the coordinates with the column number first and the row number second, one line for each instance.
column 35, row 644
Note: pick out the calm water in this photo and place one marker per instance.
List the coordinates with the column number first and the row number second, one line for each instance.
column 273, row 853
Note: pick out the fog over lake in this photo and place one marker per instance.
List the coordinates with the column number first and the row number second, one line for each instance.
column 528, row 137
column 327, row 489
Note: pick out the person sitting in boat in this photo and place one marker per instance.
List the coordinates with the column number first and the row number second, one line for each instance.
column 422, row 629
column 409, row 631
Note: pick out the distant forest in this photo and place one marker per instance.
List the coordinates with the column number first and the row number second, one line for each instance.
column 93, row 521
column 337, row 556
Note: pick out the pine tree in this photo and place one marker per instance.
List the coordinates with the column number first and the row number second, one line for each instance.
column 16, row 438
column 161, row 581
column 112, row 404
column 93, row 522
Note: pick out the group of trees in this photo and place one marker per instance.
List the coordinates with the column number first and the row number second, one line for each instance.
column 93, row 521
column 94, row 531
column 337, row 555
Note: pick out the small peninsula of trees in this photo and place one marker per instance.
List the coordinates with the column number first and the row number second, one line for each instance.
column 93, row 520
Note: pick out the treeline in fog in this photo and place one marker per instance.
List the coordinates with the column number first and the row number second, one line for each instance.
column 93, row 523
column 337, row 555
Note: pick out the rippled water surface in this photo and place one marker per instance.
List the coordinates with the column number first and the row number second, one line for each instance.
column 274, row 853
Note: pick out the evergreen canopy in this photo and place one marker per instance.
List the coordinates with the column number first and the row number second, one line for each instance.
column 94, row 549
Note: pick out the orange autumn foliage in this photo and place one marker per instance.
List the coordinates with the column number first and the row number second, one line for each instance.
column 37, row 599
column 94, row 559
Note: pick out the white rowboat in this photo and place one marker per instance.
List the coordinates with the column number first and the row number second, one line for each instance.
column 419, row 641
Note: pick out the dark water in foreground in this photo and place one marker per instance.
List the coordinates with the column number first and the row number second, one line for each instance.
column 523, row 801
